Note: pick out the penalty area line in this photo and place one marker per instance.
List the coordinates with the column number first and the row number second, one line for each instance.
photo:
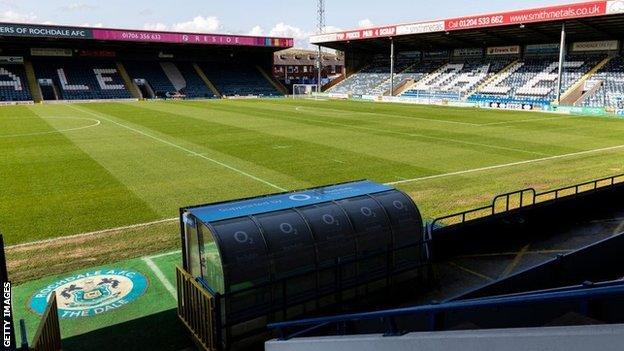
column 505, row 165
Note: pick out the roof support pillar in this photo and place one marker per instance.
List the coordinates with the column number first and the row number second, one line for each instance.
column 562, row 50
column 391, row 67
column 319, row 68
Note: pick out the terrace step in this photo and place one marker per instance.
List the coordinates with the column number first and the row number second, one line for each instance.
column 35, row 89
column 130, row 86
column 575, row 92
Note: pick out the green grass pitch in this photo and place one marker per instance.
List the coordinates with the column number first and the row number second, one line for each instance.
column 68, row 169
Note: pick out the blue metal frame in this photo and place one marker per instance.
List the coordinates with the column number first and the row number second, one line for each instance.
column 580, row 293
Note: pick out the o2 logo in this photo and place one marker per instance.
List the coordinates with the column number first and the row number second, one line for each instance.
column 330, row 220
column 288, row 229
column 243, row 238
column 398, row 205
column 367, row 212
column 300, row 197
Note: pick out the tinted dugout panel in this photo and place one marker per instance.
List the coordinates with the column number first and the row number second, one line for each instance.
column 212, row 268
column 245, row 264
column 406, row 225
column 373, row 234
column 290, row 242
column 372, row 228
column 335, row 243
column 293, row 255
column 193, row 250
column 243, row 253
column 332, row 231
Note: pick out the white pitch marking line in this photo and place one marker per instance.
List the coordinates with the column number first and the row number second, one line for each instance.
column 183, row 149
column 586, row 152
column 84, row 235
column 165, row 254
column 161, row 276
column 424, row 136
column 97, row 123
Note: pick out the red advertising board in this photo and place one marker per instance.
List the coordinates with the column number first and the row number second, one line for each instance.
column 554, row 13
column 367, row 33
column 544, row 14
column 188, row 38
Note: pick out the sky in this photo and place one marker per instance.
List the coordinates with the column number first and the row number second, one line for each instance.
column 289, row 18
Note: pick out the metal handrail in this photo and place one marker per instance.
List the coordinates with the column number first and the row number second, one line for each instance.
column 48, row 335
column 585, row 285
column 590, row 292
column 537, row 198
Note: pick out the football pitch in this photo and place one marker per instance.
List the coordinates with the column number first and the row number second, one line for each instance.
column 87, row 168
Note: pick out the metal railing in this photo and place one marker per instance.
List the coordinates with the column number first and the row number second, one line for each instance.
column 580, row 295
column 48, row 335
column 196, row 309
column 523, row 198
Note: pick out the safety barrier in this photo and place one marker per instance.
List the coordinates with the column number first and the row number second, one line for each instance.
column 196, row 309
column 523, row 198
column 48, row 336
column 578, row 296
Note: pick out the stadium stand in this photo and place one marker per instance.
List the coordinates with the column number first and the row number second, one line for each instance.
column 234, row 79
column 611, row 90
column 13, row 83
column 530, row 79
column 81, row 79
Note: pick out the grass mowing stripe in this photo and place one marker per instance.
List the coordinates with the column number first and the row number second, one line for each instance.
column 56, row 185
column 295, row 150
column 239, row 171
column 385, row 130
column 307, row 120
column 529, row 120
column 389, row 183
column 417, row 137
column 429, row 137
column 161, row 276
column 97, row 123
column 85, row 235
column 302, row 109
column 574, row 154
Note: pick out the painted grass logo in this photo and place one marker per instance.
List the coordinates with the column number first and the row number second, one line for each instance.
column 92, row 293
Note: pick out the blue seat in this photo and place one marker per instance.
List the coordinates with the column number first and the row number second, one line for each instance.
column 84, row 79
column 13, row 83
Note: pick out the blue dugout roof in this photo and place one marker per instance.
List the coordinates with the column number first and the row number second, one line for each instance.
column 264, row 204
